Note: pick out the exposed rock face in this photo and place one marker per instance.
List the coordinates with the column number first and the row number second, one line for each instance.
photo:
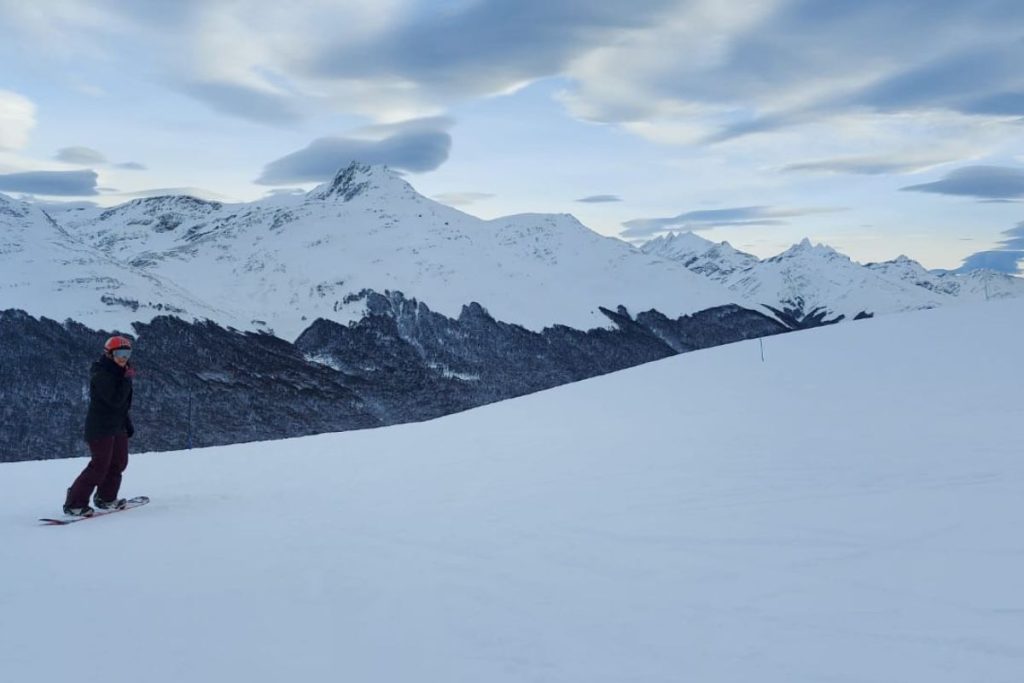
column 417, row 364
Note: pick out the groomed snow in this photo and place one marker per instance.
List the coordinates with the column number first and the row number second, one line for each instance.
column 848, row 510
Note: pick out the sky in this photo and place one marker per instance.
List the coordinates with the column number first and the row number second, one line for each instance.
column 879, row 127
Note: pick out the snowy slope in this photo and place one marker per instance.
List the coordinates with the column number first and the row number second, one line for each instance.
column 283, row 262
column 854, row 518
column 50, row 273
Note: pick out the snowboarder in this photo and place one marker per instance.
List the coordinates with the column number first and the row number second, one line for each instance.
column 108, row 426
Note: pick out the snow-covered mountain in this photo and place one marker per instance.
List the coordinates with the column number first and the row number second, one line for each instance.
column 718, row 261
column 855, row 517
column 815, row 283
column 369, row 289
column 45, row 269
column 281, row 263
column 974, row 285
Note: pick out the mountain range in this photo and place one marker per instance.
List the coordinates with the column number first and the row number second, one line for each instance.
column 279, row 264
column 358, row 304
column 46, row 270
column 809, row 284
column 363, row 303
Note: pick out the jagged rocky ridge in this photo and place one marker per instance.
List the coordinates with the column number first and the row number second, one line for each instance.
column 203, row 384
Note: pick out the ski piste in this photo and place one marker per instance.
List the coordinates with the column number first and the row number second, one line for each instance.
column 131, row 503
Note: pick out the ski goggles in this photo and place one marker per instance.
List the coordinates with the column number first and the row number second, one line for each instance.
column 121, row 353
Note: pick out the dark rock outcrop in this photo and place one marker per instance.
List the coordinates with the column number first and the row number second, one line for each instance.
column 417, row 364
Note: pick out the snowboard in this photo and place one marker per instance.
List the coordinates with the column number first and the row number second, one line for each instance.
column 138, row 501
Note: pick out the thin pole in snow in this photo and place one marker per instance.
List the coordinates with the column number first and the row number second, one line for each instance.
column 761, row 340
column 191, row 384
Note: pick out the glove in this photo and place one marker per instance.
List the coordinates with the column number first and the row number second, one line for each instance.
column 129, row 371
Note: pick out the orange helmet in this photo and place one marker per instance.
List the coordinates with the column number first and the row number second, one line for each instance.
column 118, row 342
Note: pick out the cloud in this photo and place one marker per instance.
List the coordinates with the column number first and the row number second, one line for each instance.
column 482, row 48
column 999, row 104
column 462, row 198
column 197, row 192
column 285, row 192
column 1000, row 261
column 275, row 62
column 986, row 182
column 17, row 119
column 973, row 80
column 867, row 165
column 1007, row 258
column 417, row 150
column 51, row 183
column 735, row 69
column 69, row 30
column 425, row 124
column 764, row 67
column 742, row 216
column 252, row 60
column 600, row 199
column 763, row 123
column 246, row 102
column 60, row 207
column 85, row 156
column 387, row 60
column 1016, row 240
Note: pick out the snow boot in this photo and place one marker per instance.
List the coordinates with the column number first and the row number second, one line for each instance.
column 79, row 512
column 84, row 511
column 117, row 504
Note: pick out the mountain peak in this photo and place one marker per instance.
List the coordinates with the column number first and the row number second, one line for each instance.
column 358, row 179
column 678, row 243
column 177, row 204
column 805, row 247
column 690, row 240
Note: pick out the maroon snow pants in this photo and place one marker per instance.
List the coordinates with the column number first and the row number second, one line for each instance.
column 109, row 459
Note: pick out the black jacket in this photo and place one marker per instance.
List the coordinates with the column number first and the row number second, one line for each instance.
column 110, row 399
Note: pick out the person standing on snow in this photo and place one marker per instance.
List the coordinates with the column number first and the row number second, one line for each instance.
column 108, row 427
